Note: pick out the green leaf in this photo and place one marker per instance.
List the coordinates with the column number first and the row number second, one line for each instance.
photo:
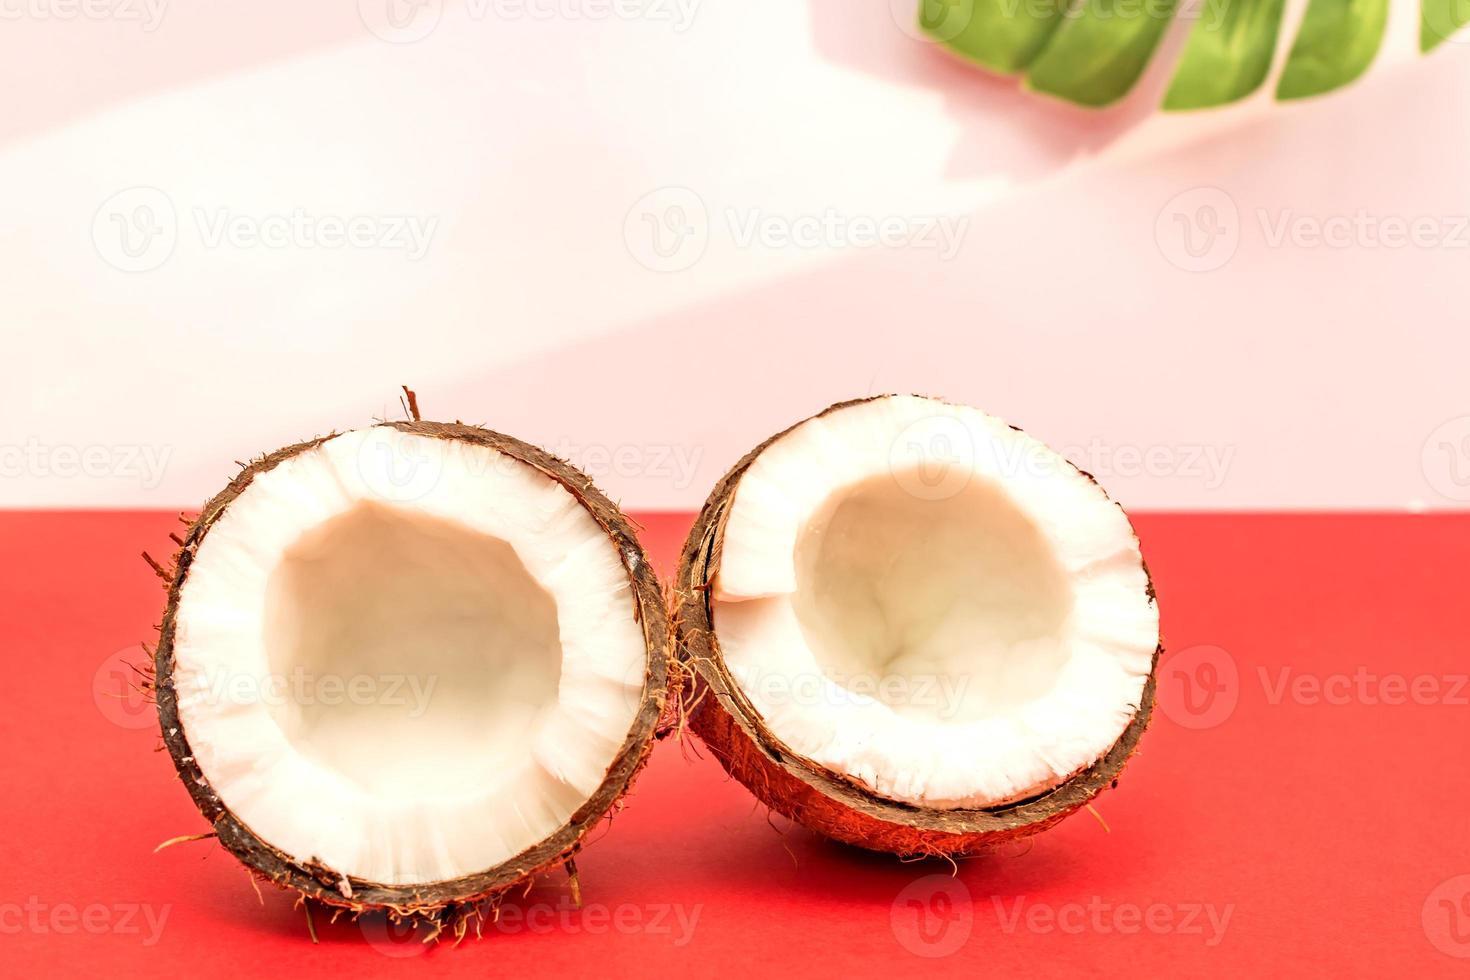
column 1336, row 44
column 1228, row 54
column 1003, row 35
column 1100, row 50
column 1439, row 19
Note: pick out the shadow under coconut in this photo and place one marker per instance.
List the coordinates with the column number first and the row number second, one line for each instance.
column 523, row 916
column 1031, row 857
column 753, row 851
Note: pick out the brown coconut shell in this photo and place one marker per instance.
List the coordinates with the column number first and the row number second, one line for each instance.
column 442, row 903
column 811, row 794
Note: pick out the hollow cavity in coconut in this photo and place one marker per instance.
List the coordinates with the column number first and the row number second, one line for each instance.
column 409, row 667
column 914, row 628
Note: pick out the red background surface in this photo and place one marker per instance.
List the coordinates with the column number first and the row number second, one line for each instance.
column 1328, row 823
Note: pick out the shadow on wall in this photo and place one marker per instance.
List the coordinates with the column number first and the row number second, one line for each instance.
column 1037, row 133
column 71, row 67
column 1051, row 284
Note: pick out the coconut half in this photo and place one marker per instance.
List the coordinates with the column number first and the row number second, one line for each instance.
column 411, row 666
column 915, row 628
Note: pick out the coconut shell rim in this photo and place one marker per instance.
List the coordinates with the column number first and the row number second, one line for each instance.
column 431, row 900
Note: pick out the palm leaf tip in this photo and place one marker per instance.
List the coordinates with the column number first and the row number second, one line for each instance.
column 1336, row 43
column 1001, row 35
column 1100, row 50
column 1228, row 54
column 1439, row 20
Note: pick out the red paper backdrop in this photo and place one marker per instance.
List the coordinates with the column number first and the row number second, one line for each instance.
column 1299, row 805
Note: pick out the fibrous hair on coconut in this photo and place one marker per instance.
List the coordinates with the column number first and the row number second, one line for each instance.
column 913, row 628
column 508, row 643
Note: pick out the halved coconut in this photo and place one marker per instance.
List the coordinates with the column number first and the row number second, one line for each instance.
column 914, row 628
column 409, row 667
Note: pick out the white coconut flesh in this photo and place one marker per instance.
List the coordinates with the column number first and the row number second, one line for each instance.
column 406, row 658
column 932, row 604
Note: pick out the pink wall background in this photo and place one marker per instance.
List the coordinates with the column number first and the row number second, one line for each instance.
column 648, row 242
